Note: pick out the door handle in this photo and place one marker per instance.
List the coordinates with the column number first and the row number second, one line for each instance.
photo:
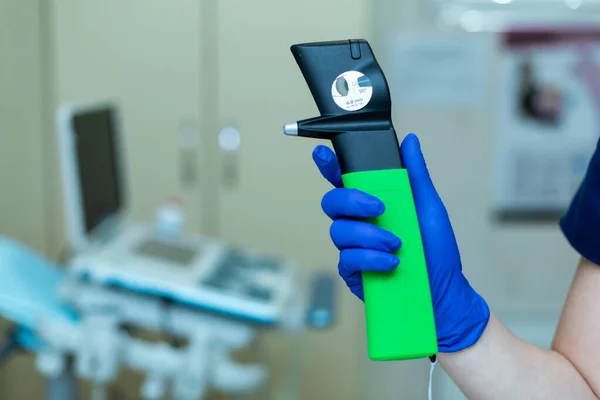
column 229, row 144
column 189, row 138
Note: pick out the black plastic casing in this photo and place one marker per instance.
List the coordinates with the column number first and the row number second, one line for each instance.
column 364, row 140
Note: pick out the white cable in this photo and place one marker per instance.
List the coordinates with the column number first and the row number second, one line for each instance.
column 430, row 390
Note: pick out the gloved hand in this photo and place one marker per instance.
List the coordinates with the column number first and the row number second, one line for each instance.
column 581, row 222
column 461, row 315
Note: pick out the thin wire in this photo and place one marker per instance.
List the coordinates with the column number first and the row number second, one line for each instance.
column 431, row 369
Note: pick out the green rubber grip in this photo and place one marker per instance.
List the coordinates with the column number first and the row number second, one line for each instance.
column 398, row 306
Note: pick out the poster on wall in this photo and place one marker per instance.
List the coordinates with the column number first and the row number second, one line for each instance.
column 437, row 71
column 549, row 119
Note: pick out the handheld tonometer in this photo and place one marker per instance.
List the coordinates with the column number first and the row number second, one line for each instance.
column 353, row 97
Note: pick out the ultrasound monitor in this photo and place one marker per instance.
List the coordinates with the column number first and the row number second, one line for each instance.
column 95, row 139
column 92, row 166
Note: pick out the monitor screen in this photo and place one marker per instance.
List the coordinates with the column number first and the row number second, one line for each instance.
column 99, row 175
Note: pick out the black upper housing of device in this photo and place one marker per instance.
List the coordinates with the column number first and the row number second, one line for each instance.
column 322, row 62
column 363, row 139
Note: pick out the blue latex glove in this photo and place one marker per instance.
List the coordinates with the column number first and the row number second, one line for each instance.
column 461, row 315
column 581, row 223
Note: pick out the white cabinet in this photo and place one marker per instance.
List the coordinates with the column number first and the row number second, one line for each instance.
column 146, row 57
column 193, row 67
column 224, row 64
column 275, row 205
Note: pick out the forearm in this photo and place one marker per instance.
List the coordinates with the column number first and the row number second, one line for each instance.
column 502, row 366
column 577, row 336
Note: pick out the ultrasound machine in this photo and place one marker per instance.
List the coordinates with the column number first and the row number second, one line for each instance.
column 125, row 274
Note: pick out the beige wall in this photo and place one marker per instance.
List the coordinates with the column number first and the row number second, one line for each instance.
column 23, row 156
column 21, row 127
column 518, row 269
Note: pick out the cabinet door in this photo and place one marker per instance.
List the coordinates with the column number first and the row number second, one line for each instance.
column 145, row 56
column 273, row 204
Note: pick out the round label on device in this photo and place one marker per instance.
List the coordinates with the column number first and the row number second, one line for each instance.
column 352, row 90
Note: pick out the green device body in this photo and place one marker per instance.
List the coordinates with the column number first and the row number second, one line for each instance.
column 353, row 97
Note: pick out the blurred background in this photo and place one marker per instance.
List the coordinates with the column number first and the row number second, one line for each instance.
column 204, row 87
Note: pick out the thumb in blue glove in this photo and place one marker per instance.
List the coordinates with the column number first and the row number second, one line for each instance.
column 461, row 315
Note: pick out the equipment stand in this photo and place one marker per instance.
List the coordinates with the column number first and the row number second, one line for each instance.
column 63, row 387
